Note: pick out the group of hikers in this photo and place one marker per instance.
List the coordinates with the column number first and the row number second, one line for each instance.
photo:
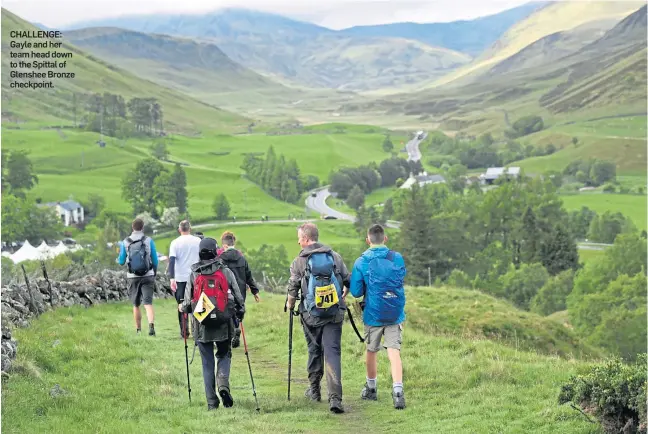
column 210, row 284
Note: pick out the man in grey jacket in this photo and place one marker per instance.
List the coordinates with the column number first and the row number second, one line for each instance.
column 323, row 335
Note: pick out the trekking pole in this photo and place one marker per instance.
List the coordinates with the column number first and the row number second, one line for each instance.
column 290, row 337
column 249, row 366
column 184, row 333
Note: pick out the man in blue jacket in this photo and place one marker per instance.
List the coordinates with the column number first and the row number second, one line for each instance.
column 378, row 276
column 138, row 252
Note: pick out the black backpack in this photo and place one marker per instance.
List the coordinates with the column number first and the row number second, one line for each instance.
column 139, row 262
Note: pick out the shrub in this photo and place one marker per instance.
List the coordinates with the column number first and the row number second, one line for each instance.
column 614, row 393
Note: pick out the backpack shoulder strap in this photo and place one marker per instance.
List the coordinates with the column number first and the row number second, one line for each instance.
column 390, row 256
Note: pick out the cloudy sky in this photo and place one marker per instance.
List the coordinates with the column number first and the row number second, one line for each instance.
column 335, row 14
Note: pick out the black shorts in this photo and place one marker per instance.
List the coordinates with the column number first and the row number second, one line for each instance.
column 140, row 290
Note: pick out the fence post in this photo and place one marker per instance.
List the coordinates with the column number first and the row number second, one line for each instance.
column 49, row 284
column 31, row 300
column 429, row 277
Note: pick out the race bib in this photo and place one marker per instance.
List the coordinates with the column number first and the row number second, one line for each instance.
column 326, row 296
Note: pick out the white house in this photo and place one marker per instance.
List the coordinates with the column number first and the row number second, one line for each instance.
column 423, row 179
column 494, row 173
column 70, row 211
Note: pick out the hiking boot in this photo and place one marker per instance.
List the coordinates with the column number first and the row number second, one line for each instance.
column 335, row 405
column 138, row 331
column 313, row 393
column 211, row 407
column 151, row 330
column 236, row 340
column 226, row 397
column 399, row 400
column 369, row 394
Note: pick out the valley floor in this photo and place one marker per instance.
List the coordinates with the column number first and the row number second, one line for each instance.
column 116, row 381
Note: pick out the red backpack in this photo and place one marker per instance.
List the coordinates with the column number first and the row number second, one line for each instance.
column 216, row 288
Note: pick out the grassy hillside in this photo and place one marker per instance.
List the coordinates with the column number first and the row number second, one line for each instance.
column 552, row 18
column 304, row 53
column 452, row 384
column 69, row 162
column 47, row 106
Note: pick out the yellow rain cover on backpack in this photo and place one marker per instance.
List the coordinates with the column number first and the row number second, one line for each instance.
column 203, row 307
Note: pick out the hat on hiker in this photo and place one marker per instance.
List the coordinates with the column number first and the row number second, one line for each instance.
column 207, row 248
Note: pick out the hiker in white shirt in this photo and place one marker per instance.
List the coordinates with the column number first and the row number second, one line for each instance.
column 183, row 253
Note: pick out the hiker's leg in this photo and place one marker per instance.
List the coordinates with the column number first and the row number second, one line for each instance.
column 393, row 339
column 208, row 366
column 373, row 335
column 147, row 288
column 315, row 367
column 179, row 296
column 135, row 297
column 331, row 341
column 224, row 363
column 372, row 365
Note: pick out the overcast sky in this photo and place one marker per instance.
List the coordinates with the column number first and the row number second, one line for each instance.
column 335, row 14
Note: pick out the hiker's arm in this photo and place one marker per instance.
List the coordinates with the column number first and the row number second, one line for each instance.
column 186, row 301
column 294, row 283
column 357, row 287
column 154, row 257
column 231, row 281
column 122, row 254
column 249, row 279
column 172, row 260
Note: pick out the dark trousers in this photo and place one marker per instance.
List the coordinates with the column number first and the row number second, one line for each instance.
column 222, row 365
column 324, row 347
column 179, row 296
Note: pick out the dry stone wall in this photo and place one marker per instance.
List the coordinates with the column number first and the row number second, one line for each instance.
column 20, row 305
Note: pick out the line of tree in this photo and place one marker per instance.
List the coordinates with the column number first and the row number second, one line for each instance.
column 479, row 152
column 280, row 178
column 592, row 172
column 369, row 177
column 151, row 187
column 113, row 116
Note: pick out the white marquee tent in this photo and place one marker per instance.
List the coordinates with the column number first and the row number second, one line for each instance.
column 30, row 253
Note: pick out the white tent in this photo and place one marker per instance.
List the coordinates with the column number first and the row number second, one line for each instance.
column 26, row 253
column 6, row 254
column 59, row 249
column 45, row 251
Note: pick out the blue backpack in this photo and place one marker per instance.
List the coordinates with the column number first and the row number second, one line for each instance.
column 139, row 262
column 324, row 292
column 385, row 281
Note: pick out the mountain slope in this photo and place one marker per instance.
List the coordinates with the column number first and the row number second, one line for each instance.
column 466, row 36
column 550, row 19
column 302, row 52
column 93, row 75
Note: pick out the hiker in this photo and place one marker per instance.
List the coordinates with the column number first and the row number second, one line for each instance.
column 235, row 261
column 199, row 235
column 378, row 276
column 212, row 283
column 322, row 309
column 183, row 253
column 138, row 252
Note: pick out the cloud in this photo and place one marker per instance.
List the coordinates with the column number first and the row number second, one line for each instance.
column 330, row 13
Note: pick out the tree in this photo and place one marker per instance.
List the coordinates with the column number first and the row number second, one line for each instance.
column 387, row 144
column 414, row 242
column 22, row 220
column 160, row 151
column 605, row 227
column 221, row 207
column 94, row 205
column 552, row 297
column 356, row 198
column 559, row 251
column 138, row 186
column 520, row 286
column 575, row 141
column 170, row 217
column 388, row 210
column 102, row 253
column 165, row 194
column 580, row 221
column 179, row 183
column 601, row 172
column 311, row 182
column 19, row 175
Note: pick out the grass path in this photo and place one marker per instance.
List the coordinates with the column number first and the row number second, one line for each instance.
column 119, row 382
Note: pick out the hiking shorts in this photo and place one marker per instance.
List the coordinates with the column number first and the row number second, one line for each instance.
column 140, row 290
column 393, row 337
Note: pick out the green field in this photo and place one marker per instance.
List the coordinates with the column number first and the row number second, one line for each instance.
column 118, row 382
column 586, row 256
column 69, row 162
column 630, row 205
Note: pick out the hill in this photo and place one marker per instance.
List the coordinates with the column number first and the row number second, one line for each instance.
column 94, row 355
column 301, row 52
column 466, row 36
column 550, row 19
column 92, row 75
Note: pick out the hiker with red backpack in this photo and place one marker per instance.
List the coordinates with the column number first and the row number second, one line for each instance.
column 215, row 301
column 317, row 276
column 378, row 276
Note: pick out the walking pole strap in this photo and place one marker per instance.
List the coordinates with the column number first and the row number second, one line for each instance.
column 354, row 326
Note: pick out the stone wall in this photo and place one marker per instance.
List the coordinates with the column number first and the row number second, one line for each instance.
column 19, row 305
